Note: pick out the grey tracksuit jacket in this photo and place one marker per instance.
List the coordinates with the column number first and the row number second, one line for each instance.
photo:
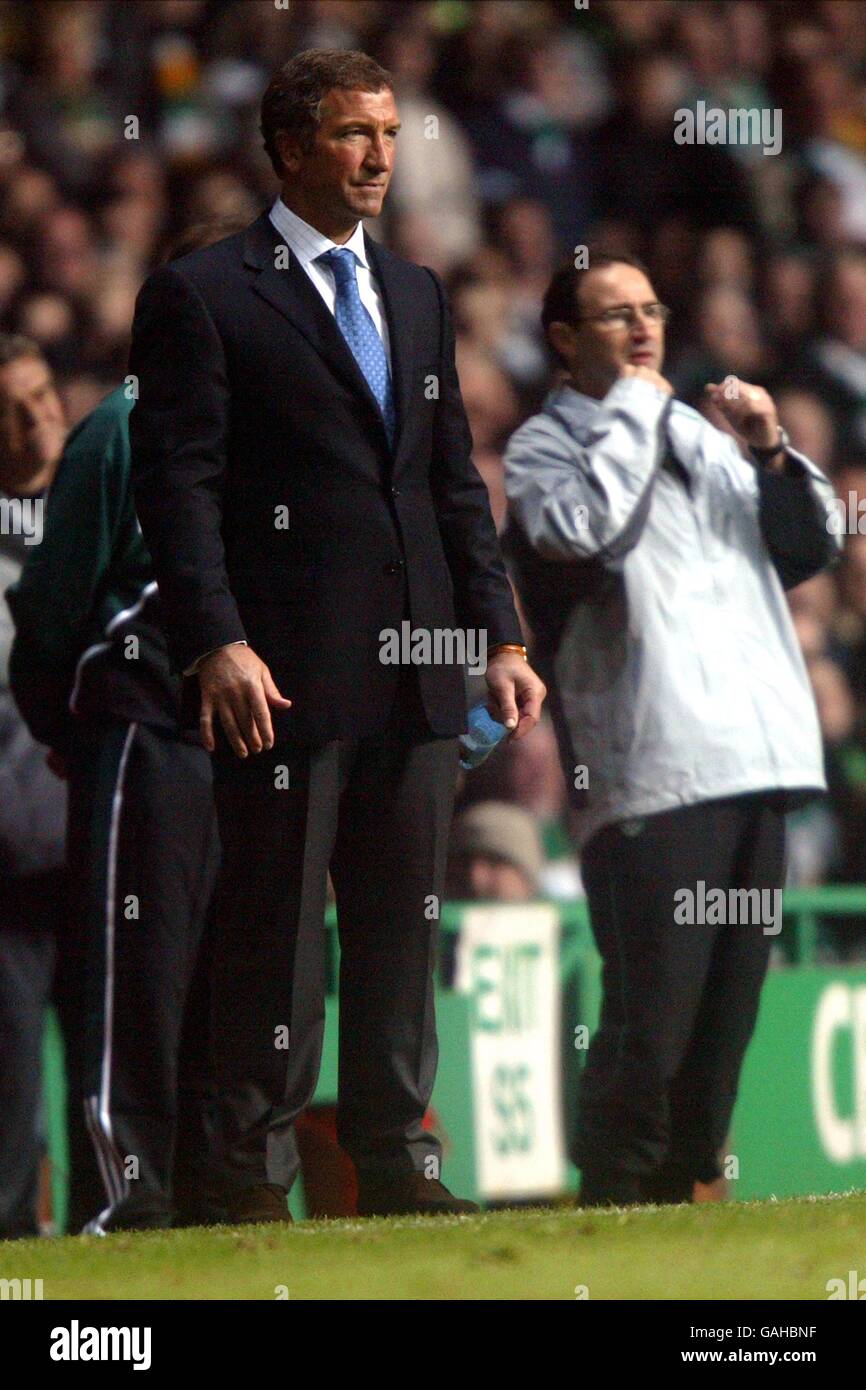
column 652, row 559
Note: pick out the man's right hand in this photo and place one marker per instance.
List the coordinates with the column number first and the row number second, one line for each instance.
column 647, row 374
column 237, row 685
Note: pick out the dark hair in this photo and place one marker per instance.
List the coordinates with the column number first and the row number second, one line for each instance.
column 561, row 296
column 294, row 95
column 15, row 345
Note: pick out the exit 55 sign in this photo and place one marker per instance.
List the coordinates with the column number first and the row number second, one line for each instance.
column 508, row 962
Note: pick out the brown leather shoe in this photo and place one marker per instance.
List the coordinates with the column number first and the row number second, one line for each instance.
column 254, row 1206
column 408, row 1194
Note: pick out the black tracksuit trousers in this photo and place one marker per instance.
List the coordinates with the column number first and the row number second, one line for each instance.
column 680, row 997
column 143, row 857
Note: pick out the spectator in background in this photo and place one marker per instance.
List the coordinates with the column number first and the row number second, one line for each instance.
column 12, row 276
column 787, row 303
column 491, row 406
column 815, row 850
column 644, row 175
column 812, row 605
column 32, row 816
column 529, row 141
column 727, row 258
column 50, row 321
column 834, row 365
column 30, row 196
column 809, row 424
column 728, row 342
column 67, row 110
column 838, row 139
column 851, row 614
column 524, row 233
column 495, row 854
column 434, row 207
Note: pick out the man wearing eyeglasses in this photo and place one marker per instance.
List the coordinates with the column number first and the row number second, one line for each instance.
column 652, row 550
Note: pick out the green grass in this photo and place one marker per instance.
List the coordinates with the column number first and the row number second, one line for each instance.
column 748, row 1250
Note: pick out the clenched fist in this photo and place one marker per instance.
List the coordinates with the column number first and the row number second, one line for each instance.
column 748, row 409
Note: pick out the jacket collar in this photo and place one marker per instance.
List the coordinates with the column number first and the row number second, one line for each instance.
column 686, row 428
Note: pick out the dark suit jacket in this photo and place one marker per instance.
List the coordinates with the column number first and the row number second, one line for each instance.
column 250, row 402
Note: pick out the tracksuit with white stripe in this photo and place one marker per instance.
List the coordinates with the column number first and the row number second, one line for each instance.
column 90, row 672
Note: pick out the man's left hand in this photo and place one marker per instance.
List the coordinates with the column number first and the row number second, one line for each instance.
column 748, row 409
column 516, row 692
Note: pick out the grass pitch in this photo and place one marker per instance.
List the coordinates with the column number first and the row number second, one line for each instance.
column 750, row 1250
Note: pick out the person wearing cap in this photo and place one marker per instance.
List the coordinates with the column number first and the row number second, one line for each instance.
column 495, row 854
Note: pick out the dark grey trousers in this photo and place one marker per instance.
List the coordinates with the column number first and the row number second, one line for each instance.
column 378, row 812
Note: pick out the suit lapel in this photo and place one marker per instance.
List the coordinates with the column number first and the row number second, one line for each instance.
column 293, row 294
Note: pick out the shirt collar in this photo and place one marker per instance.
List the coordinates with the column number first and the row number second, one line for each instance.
column 306, row 242
column 687, row 430
column 576, row 409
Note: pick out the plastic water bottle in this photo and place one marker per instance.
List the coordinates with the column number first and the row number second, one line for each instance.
column 482, row 736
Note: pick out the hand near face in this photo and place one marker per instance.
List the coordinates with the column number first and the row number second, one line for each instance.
column 648, row 374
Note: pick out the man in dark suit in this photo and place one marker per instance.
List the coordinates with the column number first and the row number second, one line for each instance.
column 303, row 477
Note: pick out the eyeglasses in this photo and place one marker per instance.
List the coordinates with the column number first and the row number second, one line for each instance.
column 624, row 316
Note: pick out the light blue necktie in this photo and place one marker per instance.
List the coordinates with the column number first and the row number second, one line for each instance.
column 359, row 330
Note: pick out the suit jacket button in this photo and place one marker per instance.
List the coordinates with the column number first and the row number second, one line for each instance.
column 395, row 492
column 392, row 567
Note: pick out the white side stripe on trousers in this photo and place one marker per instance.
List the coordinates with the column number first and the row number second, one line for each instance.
column 97, row 1109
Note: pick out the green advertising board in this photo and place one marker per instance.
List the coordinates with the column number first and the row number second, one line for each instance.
column 800, row 1120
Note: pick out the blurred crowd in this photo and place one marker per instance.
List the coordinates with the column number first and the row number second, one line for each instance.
column 530, row 127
